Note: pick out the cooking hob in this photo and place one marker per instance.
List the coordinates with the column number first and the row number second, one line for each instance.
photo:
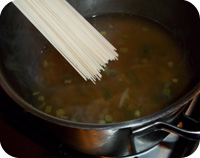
column 23, row 135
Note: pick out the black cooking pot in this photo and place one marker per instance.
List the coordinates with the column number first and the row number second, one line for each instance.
column 17, row 64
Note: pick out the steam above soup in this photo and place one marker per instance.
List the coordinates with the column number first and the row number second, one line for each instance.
column 152, row 72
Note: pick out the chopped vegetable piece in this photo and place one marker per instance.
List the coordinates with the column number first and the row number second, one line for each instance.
column 111, row 26
column 45, row 63
column 167, row 91
column 67, row 81
column 108, row 118
column 36, row 93
column 104, row 33
column 114, row 74
column 170, row 64
column 102, row 122
column 175, row 80
column 42, row 106
column 106, row 70
column 137, row 113
column 48, row 109
column 124, row 96
column 60, row 112
column 41, row 98
column 123, row 50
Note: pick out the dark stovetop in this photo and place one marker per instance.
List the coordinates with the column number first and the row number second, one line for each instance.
column 23, row 135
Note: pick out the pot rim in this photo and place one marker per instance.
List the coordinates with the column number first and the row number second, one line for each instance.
column 136, row 123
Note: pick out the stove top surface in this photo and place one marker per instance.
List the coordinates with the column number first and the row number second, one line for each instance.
column 23, row 135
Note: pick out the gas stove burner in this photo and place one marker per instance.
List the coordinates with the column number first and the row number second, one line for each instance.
column 172, row 146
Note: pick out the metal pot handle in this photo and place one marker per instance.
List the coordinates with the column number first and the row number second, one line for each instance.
column 189, row 134
column 190, row 130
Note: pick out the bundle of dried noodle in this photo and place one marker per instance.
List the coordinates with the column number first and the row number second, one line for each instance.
column 73, row 36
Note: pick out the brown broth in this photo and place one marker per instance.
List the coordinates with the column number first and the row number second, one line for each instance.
column 152, row 72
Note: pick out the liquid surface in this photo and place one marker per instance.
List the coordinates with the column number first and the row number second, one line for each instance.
column 152, row 72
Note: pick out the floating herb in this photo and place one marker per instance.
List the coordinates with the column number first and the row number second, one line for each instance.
column 170, row 64
column 60, row 112
column 104, row 33
column 108, row 118
column 123, row 97
column 67, row 81
column 137, row 113
column 114, row 74
column 35, row 93
column 175, row 80
column 167, row 91
column 41, row 98
column 102, row 122
column 42, row 106
column 45, row 63
column 110, row 26
column 48, row 109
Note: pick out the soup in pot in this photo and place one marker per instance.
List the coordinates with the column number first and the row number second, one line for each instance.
column 151, row 73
